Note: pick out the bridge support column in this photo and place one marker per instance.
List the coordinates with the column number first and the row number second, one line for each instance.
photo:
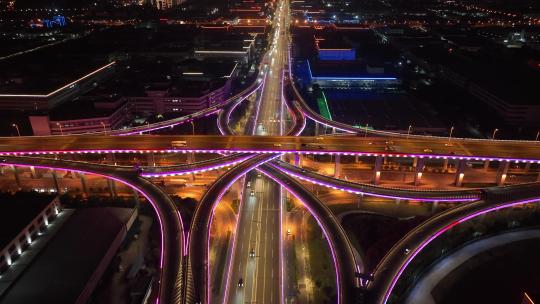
column 460, row 173
column 420, row 164
column 298, row 160
column 360, row 200
column 33, row 172
column 377, row 170
column 112, row 188
column 337, row 166
column 502, row 172
column 55, row 180
column 83, row 183
column 111, row 158
column 445, row 165
column 434, row 206
column 356, row 159
column 486, row 165
column 150, row 160
column 17, row 177
column 136, row 199
column 398, row 202
column 415, row 162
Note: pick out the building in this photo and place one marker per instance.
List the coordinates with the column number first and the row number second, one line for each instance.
column 69, row 267
column 350, row 75
column 17, row 96
column 26, row 214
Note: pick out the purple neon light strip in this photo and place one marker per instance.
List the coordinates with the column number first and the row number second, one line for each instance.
column 331, row 245
column 275, row 151
column 198, row 170
column 388, row 292
column 351, row 190
column 154, row 205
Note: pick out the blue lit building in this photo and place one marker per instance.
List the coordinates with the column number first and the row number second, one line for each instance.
column 350, row 75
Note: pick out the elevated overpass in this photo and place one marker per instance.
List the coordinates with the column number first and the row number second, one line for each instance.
column 466, row 149
column 400, row 256
column 169, row 286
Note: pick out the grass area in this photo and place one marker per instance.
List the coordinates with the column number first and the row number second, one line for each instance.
column 322, row 268
column 323, row 106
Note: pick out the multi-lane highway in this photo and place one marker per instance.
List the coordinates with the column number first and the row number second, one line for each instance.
column 467, row 149
column 257, row 260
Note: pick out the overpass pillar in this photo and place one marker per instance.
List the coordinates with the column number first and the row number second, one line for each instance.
column 434, row 206
column 33, row 172
column 502, row 172
column 298, row 160
column 150, row 160
column 111, row 158
column 356, row 158
column 377, row 170
column 445, row 165
column 112, row 188
column 415, row 162
column 136, row 199
column 337, row 166
column 83, row 183
column 17, row 177
column 55, row 180
column 460, row 173
column 420, row 165
column 486, row 165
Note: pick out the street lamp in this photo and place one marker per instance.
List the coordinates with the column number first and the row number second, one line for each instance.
column 365, row 129
column 17, row 128
column 192, row 127
column 148, row 125
column 103, row 125
column 494, row 132
column 409, row 131
column 450, row 135
column 537, row 135
column 61, row 131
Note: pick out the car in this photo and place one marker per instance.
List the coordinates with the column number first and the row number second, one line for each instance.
column 241, row 283
column 249, row 184
column 252, row 253
column 289, row 231
column 259, row 174
column 278, row 145
column 428, row 150
column 252, row 193
column 389, row 148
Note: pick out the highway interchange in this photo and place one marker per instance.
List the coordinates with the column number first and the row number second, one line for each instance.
column 256, row 252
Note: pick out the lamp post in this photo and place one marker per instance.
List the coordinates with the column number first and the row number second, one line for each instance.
column 493, row 135
column 450, row 135
column 103, row 125
column 537, row 135
column 409, row 131
column 61, row 130
column 192, row 127
column 148, row 125
column 17, row 128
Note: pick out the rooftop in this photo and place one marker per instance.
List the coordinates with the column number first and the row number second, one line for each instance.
column 18, row 211
column 62, row 270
